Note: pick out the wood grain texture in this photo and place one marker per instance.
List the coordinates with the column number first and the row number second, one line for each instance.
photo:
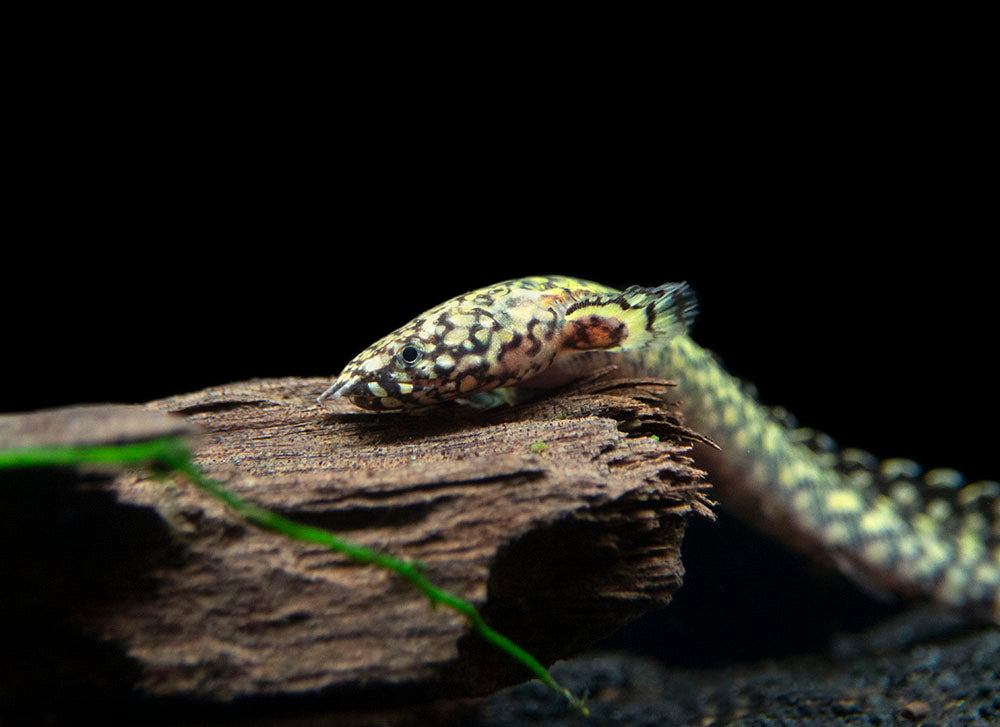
column 183, row 599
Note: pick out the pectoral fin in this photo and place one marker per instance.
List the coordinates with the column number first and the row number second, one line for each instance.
column 634, row 318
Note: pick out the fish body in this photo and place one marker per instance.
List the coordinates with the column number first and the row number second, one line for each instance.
column 886, row 524
column 506, row 335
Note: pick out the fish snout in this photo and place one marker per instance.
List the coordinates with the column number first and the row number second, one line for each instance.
column 371, row 393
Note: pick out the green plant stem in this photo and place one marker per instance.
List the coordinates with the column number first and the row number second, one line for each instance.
column 173, row 454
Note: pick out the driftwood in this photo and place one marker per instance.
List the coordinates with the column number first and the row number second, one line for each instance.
column 123, row 584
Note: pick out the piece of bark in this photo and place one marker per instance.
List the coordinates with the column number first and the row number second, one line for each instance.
column 147, row 587
column 88, row 425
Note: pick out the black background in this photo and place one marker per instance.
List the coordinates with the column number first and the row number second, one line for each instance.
column 175, row 230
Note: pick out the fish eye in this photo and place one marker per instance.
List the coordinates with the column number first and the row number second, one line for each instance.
column 409, row 354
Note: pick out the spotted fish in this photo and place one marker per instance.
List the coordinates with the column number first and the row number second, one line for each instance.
column 889, row 526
